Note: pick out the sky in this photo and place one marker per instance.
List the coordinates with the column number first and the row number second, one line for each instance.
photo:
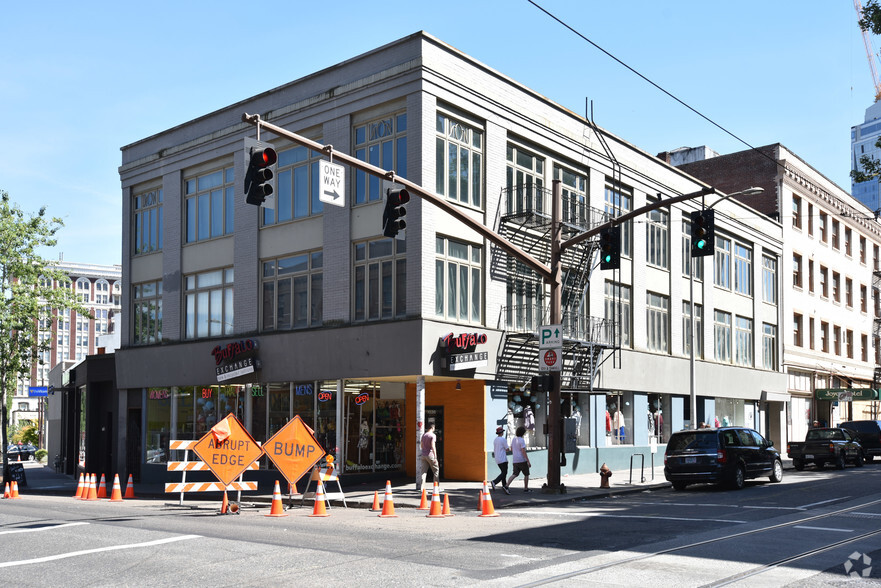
column 78, row 81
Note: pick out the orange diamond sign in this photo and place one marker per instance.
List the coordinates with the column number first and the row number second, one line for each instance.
column 228, row 449
column 294, row 449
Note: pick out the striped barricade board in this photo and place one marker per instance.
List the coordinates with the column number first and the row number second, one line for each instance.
column 186, row 465
column 326, row 475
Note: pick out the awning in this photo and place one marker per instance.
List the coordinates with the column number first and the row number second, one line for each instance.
column 768, row 396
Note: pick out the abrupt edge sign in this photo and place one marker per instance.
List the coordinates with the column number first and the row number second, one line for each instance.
column 229, row 458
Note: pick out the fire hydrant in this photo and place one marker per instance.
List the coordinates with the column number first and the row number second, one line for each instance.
column 605, row 474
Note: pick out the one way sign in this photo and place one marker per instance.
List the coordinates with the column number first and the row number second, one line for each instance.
column 333, row 180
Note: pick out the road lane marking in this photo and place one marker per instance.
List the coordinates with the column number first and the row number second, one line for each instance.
column 825, row 502
column 48, row 558
column 823, row 529
column 616, row 516
column 46, row 528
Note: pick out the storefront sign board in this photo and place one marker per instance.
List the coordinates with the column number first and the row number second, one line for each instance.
column 227, row 459
column 846, row 394
column 294, row 449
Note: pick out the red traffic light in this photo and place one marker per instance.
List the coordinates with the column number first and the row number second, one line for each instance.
column 264, row 157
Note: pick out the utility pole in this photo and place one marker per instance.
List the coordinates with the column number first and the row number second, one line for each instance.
column 552, row 273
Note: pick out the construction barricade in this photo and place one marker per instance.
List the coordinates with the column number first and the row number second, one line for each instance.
column 183, row 487
column 324, row 475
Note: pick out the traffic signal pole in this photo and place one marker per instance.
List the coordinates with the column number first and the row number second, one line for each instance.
column 552, row 273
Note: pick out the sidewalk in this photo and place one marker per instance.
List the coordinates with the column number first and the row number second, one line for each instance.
column 42, row 479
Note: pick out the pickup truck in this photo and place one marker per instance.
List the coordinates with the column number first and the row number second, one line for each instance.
column 826, row 445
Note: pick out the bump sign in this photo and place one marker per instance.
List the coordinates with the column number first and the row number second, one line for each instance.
column 228, row 457
column 333, row 179
column 294, row 449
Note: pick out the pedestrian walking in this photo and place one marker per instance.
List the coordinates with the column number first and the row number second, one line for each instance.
column 500, row 451
column 428, row 456
column 519, row 458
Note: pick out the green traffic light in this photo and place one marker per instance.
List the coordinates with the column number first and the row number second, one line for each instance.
column 701, row 244
column 608, row 258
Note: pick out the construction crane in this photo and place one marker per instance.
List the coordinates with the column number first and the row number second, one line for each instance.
column 870, row 52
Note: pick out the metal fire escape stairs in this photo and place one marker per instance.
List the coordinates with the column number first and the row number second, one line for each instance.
column 524, row 219
column 876, row 324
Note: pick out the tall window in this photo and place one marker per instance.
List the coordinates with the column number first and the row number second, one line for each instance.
column 824, row 336
column 769, row 346
column 525, row 181
column 148, row 221
column 796, row 212
column 459, row 161
column 848, row 292
column 698, row 329
column 798, row 330
column 743, row 269
column 209, row 303
column 769, row 279
column 657, row 322
column 688, row 261
column 824, row 235
column 618, row 202
column 297, row 187
column 743, row 341
column 147, row 313
column 722, row 333
column 84, row 290
column 836, row 287
column 102, row 292
column 382, row 143
column 574, row 188
column 835, row 234
column 457, row 280
column 657, row 243
column 380, row 279
column 848, row 234
column 209, row 205
column 796, row 270
column 524, row 297
column 836, row 339
column 618, row 308
column 293, row 289
column 722, row 265
column 824, row 282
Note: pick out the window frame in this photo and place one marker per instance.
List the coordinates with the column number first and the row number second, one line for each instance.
column 147, row 221
column 446, row 126
column 216, row 223
column 283, row 269
column 370, row 253
column 448, row 264
column 197, row 295
column 381, row 132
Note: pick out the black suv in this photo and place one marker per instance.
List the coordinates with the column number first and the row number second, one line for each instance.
column 868, row 433
column 728, row 455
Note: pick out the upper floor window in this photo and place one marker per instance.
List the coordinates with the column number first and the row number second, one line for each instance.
column 824, row 282
column 459, row 161
column 618, row 202
column 810, row 219
column 769, row 279
column 835, row 235
column 147, row 313
column 618, row 308
column 293, row 290
column 848, row 234
column 380, row 279
column 743, row 337
column 84, row 290
column 796, row 270
column 848, row 292
column 657, row 239
column 824, row 236
column 297, row 188
column 722, row 263
column 769, row 346
column 574, row 188
column 102, row 292
column 457, row 280
column 209, row 205
column 698, row 328
column 836, row 286
column 797, row 330
column 148, row 221
column 525, row 181
column 383, row 143
column 722, row 335
column 796, row 212
column 209, row 303
column 657, row 322
column 688, row 261
column 862, row 250
column 743, row 269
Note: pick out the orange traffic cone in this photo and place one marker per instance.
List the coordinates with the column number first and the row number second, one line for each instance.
column 6, row 493
column 375, row 507
column 85, row 494
column 79, row 488
column 446, row 511
column 224, row 506
column 93, row 488
column 487, row 510
column 129, row 488
column 436, row 511
column 320, row 510
column 480, row 501
column 388, row 505
column 423, row 504
column 116, row 492
column 102, row 488
column 292, row 489
column 15, row 490
column 276, row 510
column 19, row 457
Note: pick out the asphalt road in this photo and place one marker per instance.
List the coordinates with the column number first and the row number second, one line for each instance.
column 800, row 532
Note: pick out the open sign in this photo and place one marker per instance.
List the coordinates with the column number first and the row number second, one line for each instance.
column 362, row 398
column 324, row 396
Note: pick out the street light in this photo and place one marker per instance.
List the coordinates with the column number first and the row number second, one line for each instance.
column 692, row 393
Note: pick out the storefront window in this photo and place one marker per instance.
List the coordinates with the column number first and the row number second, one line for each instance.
column 279, row 407
column 527, row 409
column 325, row 418
column 659, row 417
column 358, row 441
column 213, row 404
column 577, row 408
column 619, row 418
column 729, row 413
column 185, row 429
column 158, row 424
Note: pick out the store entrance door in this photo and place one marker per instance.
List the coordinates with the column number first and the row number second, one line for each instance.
column 436, row 414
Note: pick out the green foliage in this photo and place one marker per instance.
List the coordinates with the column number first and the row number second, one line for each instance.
column 30, row 435
column 40, row 454
column 871, row 17
column 871, row 168
column 27, row 295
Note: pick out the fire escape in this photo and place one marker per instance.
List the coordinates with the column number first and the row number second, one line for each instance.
column 876, row 331
column 524, row 219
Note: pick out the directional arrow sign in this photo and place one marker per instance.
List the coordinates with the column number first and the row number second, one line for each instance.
column 550, row 336
column 333, row 179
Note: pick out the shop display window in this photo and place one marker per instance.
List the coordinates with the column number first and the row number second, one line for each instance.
column 729, row 413
column 374, row 431
column 158, row 424
column 619, row 418
column 528, row 409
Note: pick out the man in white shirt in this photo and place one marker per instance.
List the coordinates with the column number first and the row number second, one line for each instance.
column 500, row 451
column 519, row 458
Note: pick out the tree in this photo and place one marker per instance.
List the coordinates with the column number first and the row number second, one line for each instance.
column 27, row 298
column 870, row 20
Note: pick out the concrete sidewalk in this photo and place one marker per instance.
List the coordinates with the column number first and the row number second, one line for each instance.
column 43, row 480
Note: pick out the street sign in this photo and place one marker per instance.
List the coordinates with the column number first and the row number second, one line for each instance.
column 294, row 449
column 333, row 179
column 229, row 457
column 550, row 360
column 550, row 337
column 38, row 391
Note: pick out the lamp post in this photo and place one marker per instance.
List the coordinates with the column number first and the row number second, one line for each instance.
column 692, row 336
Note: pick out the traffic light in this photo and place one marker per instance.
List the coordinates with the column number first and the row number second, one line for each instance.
column 394, row 212
column 259, row 174
column 703, row 231
column 610, row 248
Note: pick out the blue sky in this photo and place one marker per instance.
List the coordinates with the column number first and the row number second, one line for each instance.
column 80, row 80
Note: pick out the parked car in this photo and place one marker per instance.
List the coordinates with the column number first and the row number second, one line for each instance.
column 826, row 445
column 727, row 455
column 26, row 451
column 868, row 434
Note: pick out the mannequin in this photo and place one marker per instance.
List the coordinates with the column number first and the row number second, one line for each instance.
column 509, row 426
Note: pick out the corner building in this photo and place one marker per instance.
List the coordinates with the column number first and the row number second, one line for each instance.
column 306, row 309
